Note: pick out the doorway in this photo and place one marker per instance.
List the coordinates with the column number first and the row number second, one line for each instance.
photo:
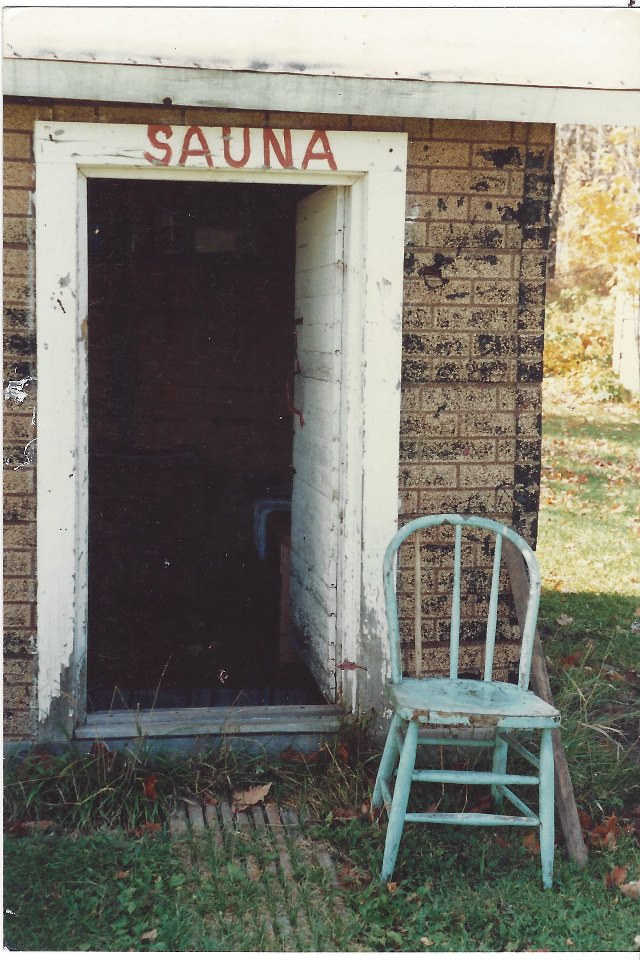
column 194, row 385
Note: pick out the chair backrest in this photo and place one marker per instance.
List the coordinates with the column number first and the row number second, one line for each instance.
column 500, row 531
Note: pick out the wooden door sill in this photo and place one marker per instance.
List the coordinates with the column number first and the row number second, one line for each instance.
column 214, row 722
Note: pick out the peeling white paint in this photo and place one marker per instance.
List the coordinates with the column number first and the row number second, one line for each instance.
column 15, row 390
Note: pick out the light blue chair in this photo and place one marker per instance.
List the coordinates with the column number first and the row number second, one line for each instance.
column 439, row 711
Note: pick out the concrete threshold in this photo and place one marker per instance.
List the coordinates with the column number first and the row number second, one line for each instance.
column 268, row 728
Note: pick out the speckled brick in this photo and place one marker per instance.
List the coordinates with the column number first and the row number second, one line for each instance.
column 15, row 262
column 16, row 202
column 466, row 235
column 435, row 345
column 19, row 643
column 20, row 535
column 17, row 509
column 18, row 173
column 416, row 318
column 493, row 291
column 434, row 153
column 18, row 563
column 471, row 130
column 139, row 114
column 21, row 116
column 19, row 589
column 18, row 615
column 19, row 230
column 18, row 481
column 485, row 475
column 415, row 233
column 17, row 290
column 421, row 425
column 498, row 424
column 18, row 429
column 428, row 476
column 492, row 157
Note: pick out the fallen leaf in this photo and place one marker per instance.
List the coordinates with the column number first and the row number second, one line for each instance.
column 636, row 940
column 569, row 942
column 501, row 842
column 147, row 828
column 343, row 753
column 122, row 874
column 349, row 876
column 606, row 834
column 631, row 889
column 531, row 843
column 350, row 665
column 149, row 787
column 426, row 941
column 150, row 936
column 392, row 886
column 247, row 798
column 613, row 675
column 573, row 660
column 563, row 620
column 615, row 877
column 39, row 825
column 585, row 820
column 344, row 813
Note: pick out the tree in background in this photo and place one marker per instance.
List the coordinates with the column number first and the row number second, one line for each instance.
column 596, row 207
column 594, row 257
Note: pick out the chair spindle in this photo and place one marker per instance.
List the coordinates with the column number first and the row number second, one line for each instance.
column 492, row 617
column 455, row 605
column 417, row 576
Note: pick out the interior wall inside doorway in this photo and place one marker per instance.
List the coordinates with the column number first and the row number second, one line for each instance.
column 190, row 359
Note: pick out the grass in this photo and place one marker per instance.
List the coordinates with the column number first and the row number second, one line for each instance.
column 95, row 869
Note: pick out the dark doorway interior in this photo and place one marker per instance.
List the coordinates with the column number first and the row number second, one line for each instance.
column 190, row 339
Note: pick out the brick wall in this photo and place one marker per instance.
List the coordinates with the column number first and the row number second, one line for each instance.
column 477, row 215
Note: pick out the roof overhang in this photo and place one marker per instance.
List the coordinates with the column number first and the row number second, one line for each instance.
column 248, row 90
column 533, row 65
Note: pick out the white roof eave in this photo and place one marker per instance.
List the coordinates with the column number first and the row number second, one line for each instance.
column 309, row 93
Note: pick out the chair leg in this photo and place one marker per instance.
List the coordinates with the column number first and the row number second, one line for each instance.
column 499, row 766
column 387, row 763
column 400, row 800
column 546, row 808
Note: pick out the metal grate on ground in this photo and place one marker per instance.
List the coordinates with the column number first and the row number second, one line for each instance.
column 296, row 904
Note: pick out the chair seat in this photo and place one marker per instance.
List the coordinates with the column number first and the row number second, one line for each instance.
column 443, row 701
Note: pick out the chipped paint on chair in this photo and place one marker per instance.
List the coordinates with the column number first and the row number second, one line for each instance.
column 451, row 704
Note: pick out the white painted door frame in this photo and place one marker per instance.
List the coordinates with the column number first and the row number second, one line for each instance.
column 373, row 168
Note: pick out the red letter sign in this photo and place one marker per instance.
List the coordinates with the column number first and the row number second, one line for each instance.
column 246, row 145
column 201, row 151
column 325, row 154
column 286, row 159
column 152, row 133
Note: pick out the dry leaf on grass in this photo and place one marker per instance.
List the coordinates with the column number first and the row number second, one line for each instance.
column 242, row 799
column 426, row 941
column 573, row 660
column 631, row 889
column 615, row 877
column 344, row 813
column 122, row 874
column 585, row 820
column 531, row 843
column 606, row 835
column 564, row 620
column 149, row 787
column 150, row 936
column 392, row 886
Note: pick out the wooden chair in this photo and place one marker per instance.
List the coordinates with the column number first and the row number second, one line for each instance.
column 435, row 711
